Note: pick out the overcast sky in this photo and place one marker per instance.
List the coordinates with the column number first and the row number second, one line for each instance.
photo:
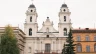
column 83, row 12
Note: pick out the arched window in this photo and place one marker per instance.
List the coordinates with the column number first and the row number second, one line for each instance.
column 78, row 38
column 94, row 38
column 47, row 30
column 30, row 32
column 64, row 18
column 31, row 19
column 79, row 47
column 64, row 10
column 87, row 38
column 87, row 48
column 95, row 47
column 65, row 31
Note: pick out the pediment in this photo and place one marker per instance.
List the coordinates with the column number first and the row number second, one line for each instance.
column 47, row 26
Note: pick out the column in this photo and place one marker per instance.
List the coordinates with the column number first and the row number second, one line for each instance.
column 35, row 45
column 51, row 46
column 59, row 46
column 43, row 46
column 55, row 46
column 38, row 45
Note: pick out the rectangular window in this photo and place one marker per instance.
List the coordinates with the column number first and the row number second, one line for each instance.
column 31, row 19
column 47, row 47
column 64, row 18
column 87, row 48
column 78, row 48
column 78, row 38
column 94, row 38
column 87, row 38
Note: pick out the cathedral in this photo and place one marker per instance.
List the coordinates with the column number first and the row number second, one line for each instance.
column 47, row 39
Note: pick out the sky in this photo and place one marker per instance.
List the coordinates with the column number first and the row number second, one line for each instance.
column 83, row 12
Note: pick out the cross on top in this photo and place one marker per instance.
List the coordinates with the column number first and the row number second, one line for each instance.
column 64, row 1
column 32, row 1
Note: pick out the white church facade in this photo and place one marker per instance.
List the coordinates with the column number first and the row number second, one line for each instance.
column 47, row 39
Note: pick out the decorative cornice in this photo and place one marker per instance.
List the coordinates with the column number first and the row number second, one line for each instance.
column 83, row 31
column 84, row 41
column 48, row 32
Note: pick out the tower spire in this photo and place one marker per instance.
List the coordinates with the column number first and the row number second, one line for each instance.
column 64, row 1
column 32, row 1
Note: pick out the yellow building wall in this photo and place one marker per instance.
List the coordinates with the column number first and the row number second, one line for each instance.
column 85, row 43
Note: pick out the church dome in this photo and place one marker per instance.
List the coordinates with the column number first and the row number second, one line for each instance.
column 32, row 6
column 64, row 5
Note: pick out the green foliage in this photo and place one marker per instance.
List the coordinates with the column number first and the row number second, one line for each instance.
column 8, row 42
column 64, row 49
column 69, row 47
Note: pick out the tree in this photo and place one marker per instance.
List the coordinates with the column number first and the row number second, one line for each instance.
column 9, row 42
column 64, row 49
column 70, row 46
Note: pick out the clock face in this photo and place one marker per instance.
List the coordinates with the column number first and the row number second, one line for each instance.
column 64, row 10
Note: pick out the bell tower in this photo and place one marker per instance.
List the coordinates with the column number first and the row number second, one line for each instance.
column 64, row 24
column 31, row 25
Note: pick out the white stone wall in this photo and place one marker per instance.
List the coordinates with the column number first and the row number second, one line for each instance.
column 37, row 46
column 34, row 29
column 33, row 25
column 64, row 24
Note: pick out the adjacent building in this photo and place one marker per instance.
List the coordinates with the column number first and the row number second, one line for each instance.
column 20, row 35
column 85, row 40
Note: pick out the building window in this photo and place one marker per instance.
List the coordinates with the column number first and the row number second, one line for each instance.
column 94, row 38
column 47, row 47
column 29, row 49
column 94, row 47
column 31, row 10
column 47, row 30
column 64, row 18
column 65, row 31
column 31, row 19
column 79, row 48
column 47, row 36
column 30, row 32
column 78, row 38
column 87, row 48
column 87, row 38
column 64, row 10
